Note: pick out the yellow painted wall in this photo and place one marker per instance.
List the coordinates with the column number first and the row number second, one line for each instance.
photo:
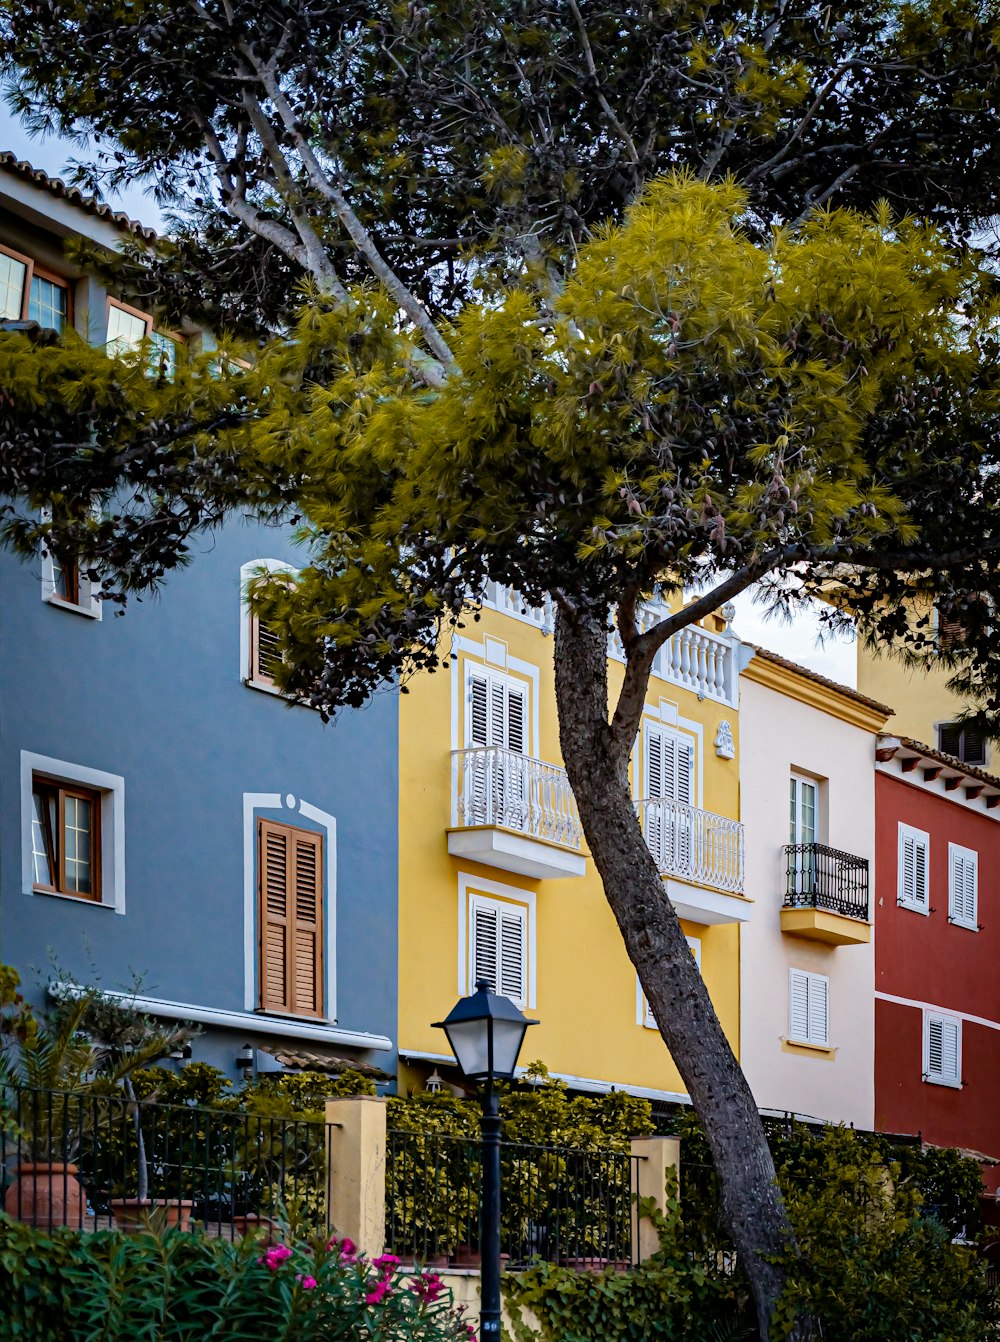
column 585, row 985
column 920, row 700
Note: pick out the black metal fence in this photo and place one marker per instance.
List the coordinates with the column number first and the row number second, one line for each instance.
column 91, row 1160
column 560, row 1204
column 818, row 877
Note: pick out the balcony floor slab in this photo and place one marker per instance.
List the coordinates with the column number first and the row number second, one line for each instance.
column 834, row 929
column 698, row 904
column 511, row 850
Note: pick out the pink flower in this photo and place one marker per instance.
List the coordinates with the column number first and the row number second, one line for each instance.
column 275, row 1256
column 428, row 1287
column 346, row 1249
column 308, row 1283
column 471, row 1331
column 382, row 1288
column 386, row 1262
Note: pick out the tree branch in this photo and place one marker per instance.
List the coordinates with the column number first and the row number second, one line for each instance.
column 613, row 119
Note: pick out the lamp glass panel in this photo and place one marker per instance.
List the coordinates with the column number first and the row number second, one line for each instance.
column 508, row 1036
column 469, row 1043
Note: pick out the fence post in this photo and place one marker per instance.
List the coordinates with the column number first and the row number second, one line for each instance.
column 355, row 1175
column 653, row 1157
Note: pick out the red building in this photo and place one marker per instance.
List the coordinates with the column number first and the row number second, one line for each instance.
column 937, row 950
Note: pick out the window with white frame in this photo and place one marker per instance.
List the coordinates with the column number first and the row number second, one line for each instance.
column 496, row 782
column 667, row 796
column 913, row 888
column 963, row 886
column 808, row 1008
column 66, row 586
column 260, row 653
column 72, row 831
column 942, row 1063
column 498, row 946
column 644, row 1014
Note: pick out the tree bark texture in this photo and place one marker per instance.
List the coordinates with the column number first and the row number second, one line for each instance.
column 751, row 1205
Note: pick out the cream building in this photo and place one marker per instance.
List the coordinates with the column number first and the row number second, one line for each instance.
column 807, row 784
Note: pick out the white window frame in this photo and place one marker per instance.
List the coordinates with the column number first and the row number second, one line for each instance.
column 907, row 832
column 643, row 1011
column 89, row 603
column 112, row 790
column 812, row 982
column 521, row 685
column 936, row 1078
column 803, row 780
column 967, row 856
column 254, row 803
column 474, row 888
column 256, row 568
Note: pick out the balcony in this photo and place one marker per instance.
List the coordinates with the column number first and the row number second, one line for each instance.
column 826, row 895
column 700, row 855
column 515, row 813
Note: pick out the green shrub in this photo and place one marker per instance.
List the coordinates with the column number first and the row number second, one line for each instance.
column 182, row 1287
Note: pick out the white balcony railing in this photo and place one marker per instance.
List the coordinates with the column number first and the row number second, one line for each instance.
column 500, row 787
column 694, row 658
column 694, row 845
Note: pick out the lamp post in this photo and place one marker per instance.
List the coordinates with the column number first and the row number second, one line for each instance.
column 485, row 1032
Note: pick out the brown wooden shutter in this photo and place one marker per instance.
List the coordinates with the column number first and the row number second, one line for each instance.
column 290, row 866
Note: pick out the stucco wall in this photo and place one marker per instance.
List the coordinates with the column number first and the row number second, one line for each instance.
column 779, row 735
column 156, row 696
column 928, row 961
column 585, row 985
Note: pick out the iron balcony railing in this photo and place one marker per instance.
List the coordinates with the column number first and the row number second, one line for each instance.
column 561, row 1204
column 818, row 877
column 501, row 787
column 694, row 845
column 91, row 1161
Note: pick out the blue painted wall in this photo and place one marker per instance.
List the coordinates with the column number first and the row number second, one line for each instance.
column 156, row 695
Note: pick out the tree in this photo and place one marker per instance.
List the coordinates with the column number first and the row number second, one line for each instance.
column 539, row 348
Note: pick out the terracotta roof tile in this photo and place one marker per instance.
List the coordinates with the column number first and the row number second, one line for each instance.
column 822, row 680
column 57, row 187
column 970, row 770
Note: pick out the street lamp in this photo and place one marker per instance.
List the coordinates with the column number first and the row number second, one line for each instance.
column 486, row 1032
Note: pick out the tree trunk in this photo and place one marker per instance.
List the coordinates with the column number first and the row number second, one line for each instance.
column 751, row 1205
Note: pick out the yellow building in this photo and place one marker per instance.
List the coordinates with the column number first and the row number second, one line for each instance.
column 494, row 879
column 925, row 709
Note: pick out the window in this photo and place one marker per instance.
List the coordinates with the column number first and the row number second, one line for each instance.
column 913, row 889
column 127, row 328
column 645, row 1013
column 963, row 886
column 498, row 946
column 65, row 838
column 64, row 585
column 942, row 1062
column 48, row 302
column 164, row 352
column 803, row 795
column 964, row 743
column 72, row 832
column 290, row 919
column 28, row 293
column 668, row 793
column 808, row 1008
column 260, row 654
column 496, row 786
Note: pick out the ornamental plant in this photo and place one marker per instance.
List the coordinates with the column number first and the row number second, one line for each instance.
column 183, row 1285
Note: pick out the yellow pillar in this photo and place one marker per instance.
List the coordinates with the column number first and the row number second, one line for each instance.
column 355, row 1187
column 654, row 1157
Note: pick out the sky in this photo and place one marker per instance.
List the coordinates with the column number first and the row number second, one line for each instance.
column 799, row 641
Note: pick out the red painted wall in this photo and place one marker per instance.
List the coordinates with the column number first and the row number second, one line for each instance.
column 926, row 959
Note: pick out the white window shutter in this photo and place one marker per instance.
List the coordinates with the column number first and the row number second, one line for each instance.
column 963, row 881
column 516, row 713
column 684, row 790
column 819, row 1009
column 907, row 865
column 654, row 763
column 798, row 1004
column 485, row 949
column 935, row 1047
column 478, row 711
column 943, row 1046
column 914, row 868
column 949, row 1050
column 971, row 888
column 921, row 883
column 513, row 954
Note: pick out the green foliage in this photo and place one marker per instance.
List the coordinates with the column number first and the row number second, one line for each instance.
column 671, row 1296
column 181, row 1286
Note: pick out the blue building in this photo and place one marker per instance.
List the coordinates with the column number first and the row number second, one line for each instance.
column 164, row 813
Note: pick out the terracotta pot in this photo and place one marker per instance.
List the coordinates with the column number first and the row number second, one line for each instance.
column 130, row 1213
column 177, row 1213
column 46, row 1193
column 252, row 1224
